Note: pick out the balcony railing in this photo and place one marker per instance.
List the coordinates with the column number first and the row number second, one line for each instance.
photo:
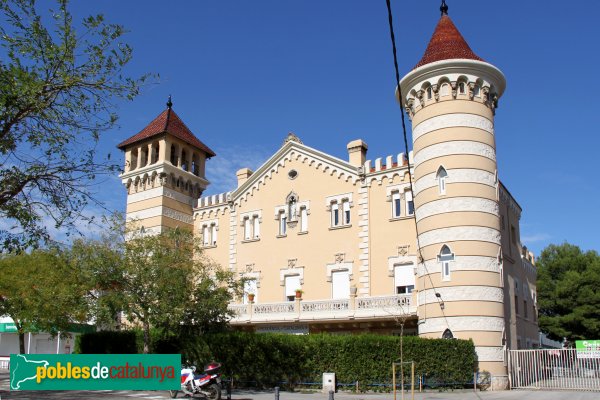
column 381, row 307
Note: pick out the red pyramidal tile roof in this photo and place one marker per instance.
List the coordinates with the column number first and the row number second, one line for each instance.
column 168, row 122
column 446, row 43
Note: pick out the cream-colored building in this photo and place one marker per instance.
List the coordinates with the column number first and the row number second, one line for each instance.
column 369, row 254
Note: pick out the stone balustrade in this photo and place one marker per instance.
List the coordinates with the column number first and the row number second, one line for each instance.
column 353, row 308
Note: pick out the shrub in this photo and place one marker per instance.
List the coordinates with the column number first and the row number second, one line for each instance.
column 106, row 342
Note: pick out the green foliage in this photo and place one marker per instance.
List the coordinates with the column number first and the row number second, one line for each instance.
column 106, row 342
column 159, row 281
column 568, row 295
column 41, row 292
column 269, row 359
column 60, row 83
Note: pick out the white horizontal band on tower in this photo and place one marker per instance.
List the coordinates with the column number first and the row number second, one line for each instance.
column 160, row 211
column 462, row 293
column 454, row 148
column 462, row 263
column 458, row 175
column 460, row 233
column 457, row 204
column 457, row 324
column 451, row 121
column 158, row 192
column 490, row 353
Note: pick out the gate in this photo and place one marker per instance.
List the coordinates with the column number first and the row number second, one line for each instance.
column 553, row 369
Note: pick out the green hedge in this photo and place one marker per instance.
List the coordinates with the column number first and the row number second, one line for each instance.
column 267, row 360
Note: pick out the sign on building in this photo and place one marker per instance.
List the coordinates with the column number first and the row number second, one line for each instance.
column 587, row 348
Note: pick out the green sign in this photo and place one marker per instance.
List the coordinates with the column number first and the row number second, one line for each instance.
column 7, row 327
column 587, row 348
column 95, row 371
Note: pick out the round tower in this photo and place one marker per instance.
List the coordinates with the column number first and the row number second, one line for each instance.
column 450, row 96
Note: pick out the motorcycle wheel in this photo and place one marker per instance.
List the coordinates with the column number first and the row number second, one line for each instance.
column 213, row 392
column 173, row 393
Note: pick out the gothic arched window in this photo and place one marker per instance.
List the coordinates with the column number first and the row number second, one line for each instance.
column 441, row 177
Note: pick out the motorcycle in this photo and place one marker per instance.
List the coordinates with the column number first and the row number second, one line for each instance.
column 207, row 384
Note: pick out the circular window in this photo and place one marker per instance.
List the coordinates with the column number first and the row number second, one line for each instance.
column 292, row 174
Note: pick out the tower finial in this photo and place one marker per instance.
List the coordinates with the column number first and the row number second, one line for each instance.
column 169, row 103
column 444, row 8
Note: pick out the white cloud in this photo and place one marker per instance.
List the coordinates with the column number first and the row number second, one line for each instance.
column 221, row 169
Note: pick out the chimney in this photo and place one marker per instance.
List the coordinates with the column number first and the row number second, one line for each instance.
column 243, row 175
column 357, row 152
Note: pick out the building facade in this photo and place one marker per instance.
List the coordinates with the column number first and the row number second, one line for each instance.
column 426, row 242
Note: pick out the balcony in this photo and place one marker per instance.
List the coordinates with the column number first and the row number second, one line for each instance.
column 354, row 308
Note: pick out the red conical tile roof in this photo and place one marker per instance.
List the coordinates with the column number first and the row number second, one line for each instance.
column 168, row 122
column 446, row 43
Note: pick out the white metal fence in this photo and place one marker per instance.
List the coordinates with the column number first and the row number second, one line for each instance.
column 553, row 369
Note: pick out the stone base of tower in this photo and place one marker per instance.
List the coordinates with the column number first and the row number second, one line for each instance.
column 498, row 374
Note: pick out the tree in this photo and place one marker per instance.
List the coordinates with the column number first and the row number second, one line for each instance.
column 568, row 295
column 58, row 86
column 157, row 280
column 40, row 293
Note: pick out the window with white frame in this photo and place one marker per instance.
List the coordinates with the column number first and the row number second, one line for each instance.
column 404, row 278
column 335, row 214
column 256, row 227
column 251, row 224
column 441, row 177
column 205, row 235
column 410, row 205
column 396, row 205
column 292, row 283
column 346, row 209
column 282, row 223
column 339, row 207
column 340, row 282
column 209, row 233
column 303, row 219
column 445, row 258
column 247, row 228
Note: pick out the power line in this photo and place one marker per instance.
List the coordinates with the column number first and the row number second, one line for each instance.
column 438, row 295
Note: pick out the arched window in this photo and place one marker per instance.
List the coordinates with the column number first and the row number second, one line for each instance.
column 476, row 91
column 445, row 90
column 447, row 334
column 461, row 88
column 429, row 93
column 441, row 177
column 184, row 161
column 445, row 258
column 173, row 157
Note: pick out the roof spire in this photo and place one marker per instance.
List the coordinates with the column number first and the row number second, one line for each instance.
column 169, row 103
column 444, row 8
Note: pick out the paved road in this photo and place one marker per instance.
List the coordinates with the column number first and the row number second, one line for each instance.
column 266, row 395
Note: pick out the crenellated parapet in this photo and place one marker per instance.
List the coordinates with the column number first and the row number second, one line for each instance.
column 392, row 166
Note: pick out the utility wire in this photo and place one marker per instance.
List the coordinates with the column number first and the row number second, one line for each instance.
column 438, row 295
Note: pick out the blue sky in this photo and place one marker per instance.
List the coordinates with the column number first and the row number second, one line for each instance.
column 244, row 73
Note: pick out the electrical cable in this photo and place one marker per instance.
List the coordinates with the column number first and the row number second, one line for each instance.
column 437, row 294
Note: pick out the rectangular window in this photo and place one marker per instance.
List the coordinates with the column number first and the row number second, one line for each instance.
column 346, row 208
column 256, row 227
column 445, row 270
column 335, row 214
column 282, row 224
column 404, row 278
column 213, row 229
column 396, row 205
column 513, row 234
column 410, row 205
column 247, row 229
column 303, row 220
column 205, row 236
column 340, row 281
column 291, row 284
